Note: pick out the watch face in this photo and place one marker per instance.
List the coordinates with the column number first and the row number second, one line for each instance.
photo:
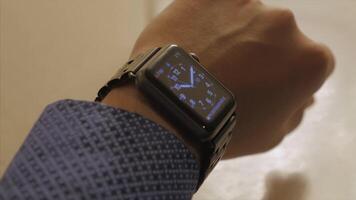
column 189, row 85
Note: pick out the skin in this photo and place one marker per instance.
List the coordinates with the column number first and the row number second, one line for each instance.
column 256, row 50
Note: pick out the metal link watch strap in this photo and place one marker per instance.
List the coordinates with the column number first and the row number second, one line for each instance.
column 217, row 149
column 125, row 73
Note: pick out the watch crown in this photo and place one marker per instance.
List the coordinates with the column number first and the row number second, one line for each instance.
column 194, row 56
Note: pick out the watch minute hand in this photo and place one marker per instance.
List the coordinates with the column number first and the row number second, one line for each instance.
column 191, row 76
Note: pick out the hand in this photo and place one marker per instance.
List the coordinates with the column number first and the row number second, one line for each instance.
column 258, row 52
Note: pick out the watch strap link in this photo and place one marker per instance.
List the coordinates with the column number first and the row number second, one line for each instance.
column 125, row 73
column 217, row 148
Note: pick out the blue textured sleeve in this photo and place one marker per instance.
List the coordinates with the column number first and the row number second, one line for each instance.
column 86, row 150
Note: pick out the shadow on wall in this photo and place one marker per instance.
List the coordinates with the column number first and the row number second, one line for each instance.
column 281, row 187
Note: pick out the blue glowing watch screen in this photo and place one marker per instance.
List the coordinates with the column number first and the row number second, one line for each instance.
column 190, row 84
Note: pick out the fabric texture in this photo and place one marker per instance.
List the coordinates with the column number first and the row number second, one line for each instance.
column 86, row 150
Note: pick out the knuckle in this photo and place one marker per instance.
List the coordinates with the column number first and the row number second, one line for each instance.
column 316, row 64
column 282, row 17
column 320, row 60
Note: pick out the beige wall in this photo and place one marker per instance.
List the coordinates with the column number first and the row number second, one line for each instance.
column 58, row 49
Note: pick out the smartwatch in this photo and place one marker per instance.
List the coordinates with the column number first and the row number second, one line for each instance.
column 188, row 95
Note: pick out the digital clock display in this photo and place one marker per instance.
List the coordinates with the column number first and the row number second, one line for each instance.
column 189, row 83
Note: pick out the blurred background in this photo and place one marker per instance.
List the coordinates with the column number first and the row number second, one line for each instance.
column 58, row 49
